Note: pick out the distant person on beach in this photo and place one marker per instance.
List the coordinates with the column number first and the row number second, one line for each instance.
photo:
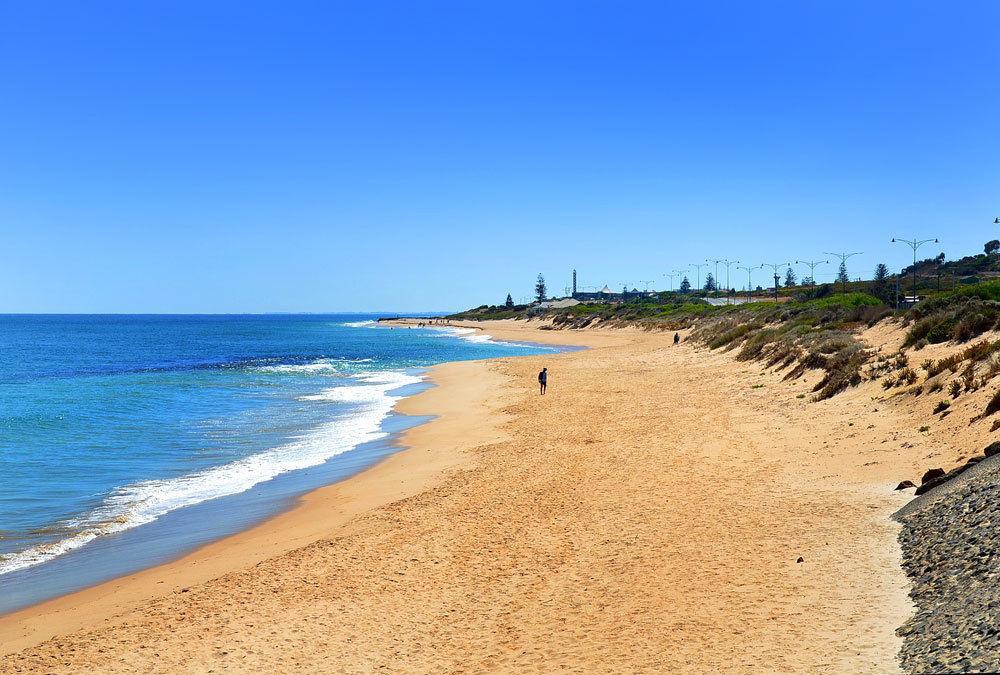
column 543, row 379
column 677, row 338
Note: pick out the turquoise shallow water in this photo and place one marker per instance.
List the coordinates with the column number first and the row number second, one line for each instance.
column 125, row 440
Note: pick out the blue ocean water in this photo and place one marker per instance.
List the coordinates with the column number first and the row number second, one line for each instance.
column 112, row 423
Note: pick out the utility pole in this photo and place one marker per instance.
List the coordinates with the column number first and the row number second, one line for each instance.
column 698, row 268
column 777, row 277
column 843, row 261
column 812, row 267
column 749, row 281
column 914, row 244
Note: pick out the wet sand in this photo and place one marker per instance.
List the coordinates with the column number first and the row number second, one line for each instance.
column 646, row 514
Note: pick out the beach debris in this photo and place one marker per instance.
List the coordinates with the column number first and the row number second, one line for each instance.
column 800, row 560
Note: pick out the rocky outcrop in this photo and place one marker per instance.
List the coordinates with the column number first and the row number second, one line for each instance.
column 951, row 552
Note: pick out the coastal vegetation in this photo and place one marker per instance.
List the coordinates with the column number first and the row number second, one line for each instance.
column 803, row 328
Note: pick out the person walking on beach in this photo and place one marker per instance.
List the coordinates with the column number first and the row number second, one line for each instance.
column 543, row 379
column 677, row 338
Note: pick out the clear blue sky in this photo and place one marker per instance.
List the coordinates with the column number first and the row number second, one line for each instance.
column 315, row 156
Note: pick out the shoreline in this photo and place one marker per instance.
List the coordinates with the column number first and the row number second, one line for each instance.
column 514, row 531
column 184, row 531
column 31, row 624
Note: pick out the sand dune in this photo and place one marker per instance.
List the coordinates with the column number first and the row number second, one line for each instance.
column 647, row 514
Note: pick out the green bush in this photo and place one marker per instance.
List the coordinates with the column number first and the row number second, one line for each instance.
column 942, row 330
column 846, row 300
column 988, row 290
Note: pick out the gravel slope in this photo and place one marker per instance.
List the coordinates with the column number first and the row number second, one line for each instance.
column 950, row 543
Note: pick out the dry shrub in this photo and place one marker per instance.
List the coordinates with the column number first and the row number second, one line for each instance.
column 843, row 370
column 725, row 332
column 969, row 377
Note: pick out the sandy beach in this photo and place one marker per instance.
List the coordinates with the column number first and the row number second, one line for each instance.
column 661, row 508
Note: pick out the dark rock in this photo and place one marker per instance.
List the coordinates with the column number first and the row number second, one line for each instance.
column 905, row 484
column 928, row 484
column 801, row 559
column 931, row 474
column 992, row 449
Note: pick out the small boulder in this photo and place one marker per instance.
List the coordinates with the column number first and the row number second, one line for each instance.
column 992, row 449
column 930, row 475
column 800, row 560
column 930, row 483
column 905, row 485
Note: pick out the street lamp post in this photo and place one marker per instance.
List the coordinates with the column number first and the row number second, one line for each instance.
column 671, row 275
column 681, row 274
column 914, row 244
column 777, row 276
column 716, row 262
column 728, row 263
column 698, row 268
column 812, row 267
column 843, row 261
column 749, row 281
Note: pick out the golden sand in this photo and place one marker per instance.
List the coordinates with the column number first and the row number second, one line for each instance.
column 646, row 514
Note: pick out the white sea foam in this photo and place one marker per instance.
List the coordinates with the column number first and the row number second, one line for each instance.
column 473, row 335
column 318, row 367
column 360, row 324
column 144, row 502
